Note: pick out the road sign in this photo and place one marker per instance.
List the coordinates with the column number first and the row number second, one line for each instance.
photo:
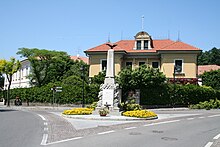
column 57, row 90
column 59, row 87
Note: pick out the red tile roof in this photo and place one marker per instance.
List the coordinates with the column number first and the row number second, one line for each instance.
column 207, row 68
column 104, row 47
column 84, row 59
column 128, row 46
column 178, row 45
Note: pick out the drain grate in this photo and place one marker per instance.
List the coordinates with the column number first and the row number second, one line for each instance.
column 156, row 131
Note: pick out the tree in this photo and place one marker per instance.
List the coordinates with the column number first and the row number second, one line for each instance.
column 9, row 68
column 211, row 78
column 148, row 80
column 140, row 77
column 209, row 57
column 99, row 79
column 47, row 66
column 76, row 69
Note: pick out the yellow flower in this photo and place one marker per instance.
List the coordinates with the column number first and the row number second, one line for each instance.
column 78, row 111
column 140, row 113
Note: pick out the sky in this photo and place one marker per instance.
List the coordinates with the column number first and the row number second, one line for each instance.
column 74, row 26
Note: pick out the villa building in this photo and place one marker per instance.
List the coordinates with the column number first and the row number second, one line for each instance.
column 161, row 54
column 20, row 78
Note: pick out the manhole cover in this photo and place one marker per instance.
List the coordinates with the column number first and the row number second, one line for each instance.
column 156, row 131
column 169, row 138
column 135, row 133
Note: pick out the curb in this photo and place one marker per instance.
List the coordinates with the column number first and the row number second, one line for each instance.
column 38, row 108
column 114, row 118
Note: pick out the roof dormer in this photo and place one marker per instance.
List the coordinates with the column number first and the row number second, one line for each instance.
column 143, row 41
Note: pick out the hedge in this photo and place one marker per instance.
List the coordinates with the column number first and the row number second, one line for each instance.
column 167, row 94
column 170, row 94
column 71, row 92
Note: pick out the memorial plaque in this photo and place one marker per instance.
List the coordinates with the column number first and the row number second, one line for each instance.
column 108, row 95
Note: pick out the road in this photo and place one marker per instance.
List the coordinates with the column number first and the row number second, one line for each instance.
column 41, row 128
column 195, row 131
column 20, row 129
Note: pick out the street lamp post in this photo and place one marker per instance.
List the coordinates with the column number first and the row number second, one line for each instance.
column 177, row 69
column 83, row 78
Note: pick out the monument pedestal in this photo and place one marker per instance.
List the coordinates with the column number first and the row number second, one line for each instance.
column 109, row 91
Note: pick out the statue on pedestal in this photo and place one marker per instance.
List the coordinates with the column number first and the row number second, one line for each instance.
column 109, row 91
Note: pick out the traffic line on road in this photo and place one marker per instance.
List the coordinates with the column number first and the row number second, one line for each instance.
column 217, row 137
column 44, row 140
column 190, row 118
column 45, row 136
column 43, row 118
column 130, row 128
column 56, row 142
column 201, row 117
column 214, row 115
column 159, row 123
column 209, row 144
column 107, row 132
column 45, row 129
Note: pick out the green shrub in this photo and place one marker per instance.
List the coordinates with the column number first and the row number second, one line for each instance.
column 130, row 105
column 211, row 104
column 71, row 92
column 92, row 106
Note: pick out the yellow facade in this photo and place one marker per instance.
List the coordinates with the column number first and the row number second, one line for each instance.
column 189, row 65
column 166, row 63
column 96, row 67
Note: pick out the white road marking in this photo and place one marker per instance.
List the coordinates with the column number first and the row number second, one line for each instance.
column 45, row 129
column 45, row 123
column 201, row 117
column 64, row 140
column 214, row 115
column 42, row 117
column 130, row 128
column 107, row 132
column 44, row 140
column 165, row 122
column 190, row 118
column 209, row 144
column 217, row 137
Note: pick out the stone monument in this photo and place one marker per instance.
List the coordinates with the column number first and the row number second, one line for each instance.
column 109, row 91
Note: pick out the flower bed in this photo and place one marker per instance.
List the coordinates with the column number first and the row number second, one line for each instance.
column 140, row 113
column 78, row 111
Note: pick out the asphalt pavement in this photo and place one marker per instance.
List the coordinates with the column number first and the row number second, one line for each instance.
column 63, row 129
column 19, row 128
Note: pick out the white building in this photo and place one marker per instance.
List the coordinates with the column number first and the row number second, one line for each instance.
column 20, row 78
